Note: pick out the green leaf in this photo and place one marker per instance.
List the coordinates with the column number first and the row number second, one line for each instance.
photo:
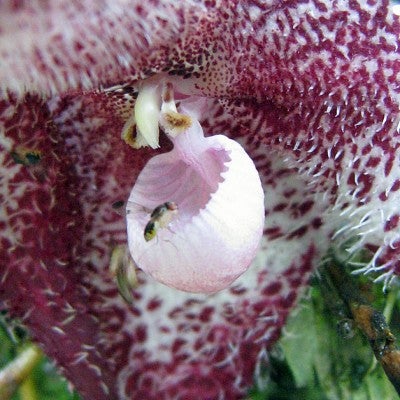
column 50, row 385
column 300, row 344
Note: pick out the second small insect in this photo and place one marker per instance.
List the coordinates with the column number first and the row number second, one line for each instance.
column 161, row 216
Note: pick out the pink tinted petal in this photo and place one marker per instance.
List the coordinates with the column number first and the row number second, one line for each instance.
column 216, row 233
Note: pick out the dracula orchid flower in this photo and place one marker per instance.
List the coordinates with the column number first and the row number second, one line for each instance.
column 310, row 89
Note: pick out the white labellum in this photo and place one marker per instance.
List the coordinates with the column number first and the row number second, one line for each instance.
column 214, row 236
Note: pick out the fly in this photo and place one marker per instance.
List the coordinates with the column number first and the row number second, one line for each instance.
column 161, row 216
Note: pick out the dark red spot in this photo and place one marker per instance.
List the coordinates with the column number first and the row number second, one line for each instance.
column 273, row 233
column 280, row 207
column 389, row 164
column 141, row 333
column 396, row 186
column 238, row 290
column 259, row 307
column 164, row 329
column 392, row 222
column 295, row 283
column 289, row 193
column 78, row 46
column 316, row 223
column 373, row 162
column 305, row 207
column 288, row 301
column 367, row 181
column 272, row 289
column 153, row 304
column 298, row 232
column 198, row 344
column 219, row 334
column 175, row 313
column 382, row 196
column 177, row 345
column 351, row 180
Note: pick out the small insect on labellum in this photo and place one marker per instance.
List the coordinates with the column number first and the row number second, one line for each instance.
column 161, row 216
column 26, row 157
column 117, row 204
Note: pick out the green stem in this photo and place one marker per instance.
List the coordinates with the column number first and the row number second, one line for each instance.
column 390, row 302
column 27, row 390
column 18, row 370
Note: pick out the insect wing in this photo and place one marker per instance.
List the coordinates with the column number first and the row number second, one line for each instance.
column 150, row 231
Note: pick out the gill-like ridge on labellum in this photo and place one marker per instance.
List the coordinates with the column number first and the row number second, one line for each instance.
column 214, row 187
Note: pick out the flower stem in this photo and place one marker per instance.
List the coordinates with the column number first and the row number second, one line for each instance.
column 17, row 371
column 390, row 303
column 27, row 390
column 370, row 321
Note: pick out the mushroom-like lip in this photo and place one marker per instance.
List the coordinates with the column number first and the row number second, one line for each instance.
column 216, row 233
